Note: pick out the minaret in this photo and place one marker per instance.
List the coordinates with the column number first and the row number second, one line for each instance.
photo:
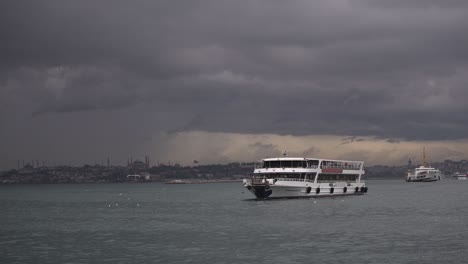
column 424, row 156
column 147, row 161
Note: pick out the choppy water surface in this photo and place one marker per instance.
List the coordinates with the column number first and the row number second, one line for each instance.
column 396, row 222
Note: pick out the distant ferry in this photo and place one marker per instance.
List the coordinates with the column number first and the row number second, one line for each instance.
column 423, row 173
column 288, row 177
column 459, row 176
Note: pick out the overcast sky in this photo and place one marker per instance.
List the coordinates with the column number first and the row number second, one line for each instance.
column 221, row 81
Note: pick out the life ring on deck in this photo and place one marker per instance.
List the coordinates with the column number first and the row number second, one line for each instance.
column 345, row 189
column 308, row 189
column 356, row 189
column 332, row 190
column 267, row 187
column 317, row 191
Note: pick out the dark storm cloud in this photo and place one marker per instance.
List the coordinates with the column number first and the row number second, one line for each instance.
column 390, row 69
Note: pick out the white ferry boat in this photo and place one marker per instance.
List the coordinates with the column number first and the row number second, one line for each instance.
column 460, row 176
column 423, row 173
column 288, row 177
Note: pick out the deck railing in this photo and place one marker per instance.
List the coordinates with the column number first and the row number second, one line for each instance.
column 295, row 180
column 262, row 180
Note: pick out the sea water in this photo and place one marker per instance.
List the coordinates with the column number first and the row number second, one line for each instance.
column 395, row 222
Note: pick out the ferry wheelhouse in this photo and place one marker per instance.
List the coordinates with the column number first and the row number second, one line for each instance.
column 287, row 177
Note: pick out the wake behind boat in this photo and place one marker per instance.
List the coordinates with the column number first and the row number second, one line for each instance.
column 288, row 177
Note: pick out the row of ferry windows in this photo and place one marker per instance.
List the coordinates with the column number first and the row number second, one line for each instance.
column 321, row 177
column 310, row 176
column 337, row 178
column 290, row 163
column 309, row 164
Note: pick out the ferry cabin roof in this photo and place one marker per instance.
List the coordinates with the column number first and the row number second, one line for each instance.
column 291, row 162
column 291, row 158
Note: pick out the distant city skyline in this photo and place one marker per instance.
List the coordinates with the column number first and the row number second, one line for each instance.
column 224, row 81
column 246, row 149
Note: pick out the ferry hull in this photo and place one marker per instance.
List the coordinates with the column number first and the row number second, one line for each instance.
column 422, row 180
column 431, row 176
column 305, row 191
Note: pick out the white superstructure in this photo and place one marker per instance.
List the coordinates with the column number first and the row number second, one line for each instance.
column 305, row 177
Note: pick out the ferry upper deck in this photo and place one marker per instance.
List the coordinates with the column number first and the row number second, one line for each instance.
column 308, row 163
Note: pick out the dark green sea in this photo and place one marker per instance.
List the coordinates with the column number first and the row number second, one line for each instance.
column 395, row 222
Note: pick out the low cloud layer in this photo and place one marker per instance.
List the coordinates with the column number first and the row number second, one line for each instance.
column 393, row 70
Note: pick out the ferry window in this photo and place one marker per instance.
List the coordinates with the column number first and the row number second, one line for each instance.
column 325, row 164
column 288, row 176
column 337, row 177
column 286, row 164
column 297, row 164
column 275, row 164
column 313, row 163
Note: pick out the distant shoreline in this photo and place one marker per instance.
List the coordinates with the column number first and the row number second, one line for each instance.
column 193, row 181
column 199, row 181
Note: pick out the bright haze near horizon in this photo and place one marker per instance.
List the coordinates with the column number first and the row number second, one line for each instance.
column 225, row 81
